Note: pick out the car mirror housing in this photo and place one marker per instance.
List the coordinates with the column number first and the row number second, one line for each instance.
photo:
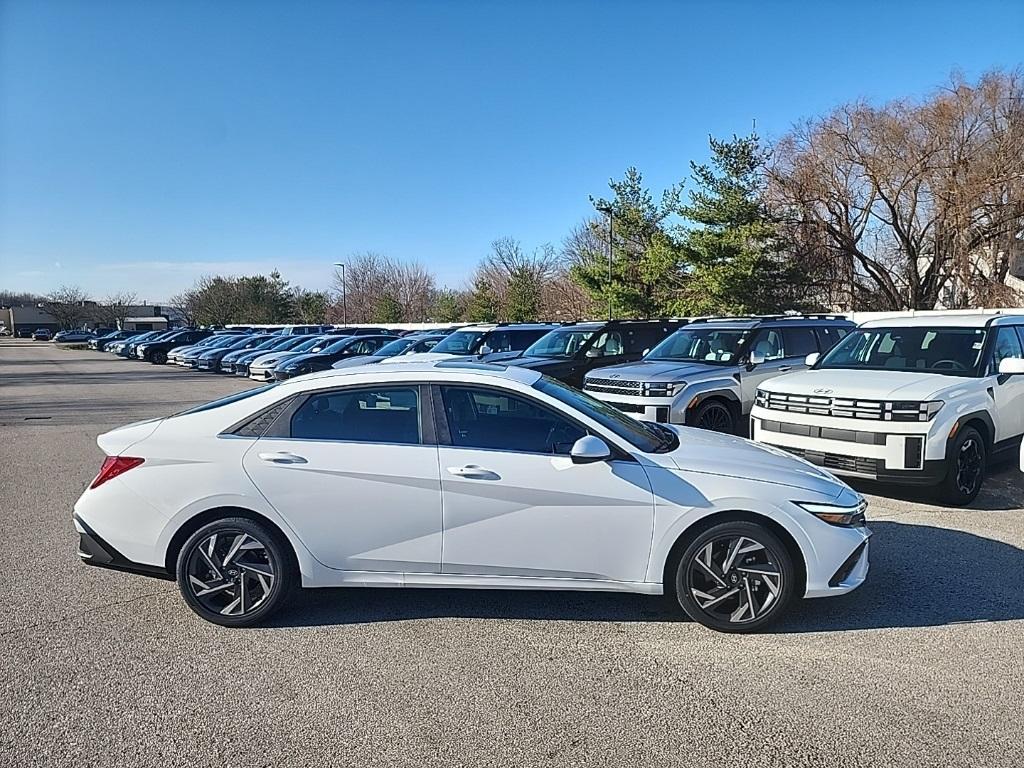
column 589, row 449
column 1009, row 366
column 755, row 358
column 811, row 359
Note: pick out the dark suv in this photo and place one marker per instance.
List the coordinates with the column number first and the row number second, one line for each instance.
column 156, row 351
column 706, row 373
column 567, row 353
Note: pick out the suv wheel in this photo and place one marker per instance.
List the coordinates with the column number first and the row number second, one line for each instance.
column 235, row 572
column 159, row 357
column 965, row 469
column 715, row 415
column 735, row 577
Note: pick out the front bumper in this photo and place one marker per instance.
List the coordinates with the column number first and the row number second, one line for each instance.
column 261, row 374
column 207, row 365
column 657, row 409
column 886, row 451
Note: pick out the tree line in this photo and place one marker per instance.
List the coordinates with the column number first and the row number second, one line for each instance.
column 911, row 204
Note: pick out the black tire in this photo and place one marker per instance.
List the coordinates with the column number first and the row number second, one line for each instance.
column 266, row 574
column 966, row 464
column 715, row 415
column 761, row 563
column 158, row 357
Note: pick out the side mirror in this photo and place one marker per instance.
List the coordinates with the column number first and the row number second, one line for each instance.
column 755, row 358
column 1009, row 366
column 484, row 350
column 811, row 359
column 589, row 449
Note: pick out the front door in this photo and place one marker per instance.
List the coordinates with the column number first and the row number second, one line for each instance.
column 1007, row 391
column 516, row 505
column 355, row 479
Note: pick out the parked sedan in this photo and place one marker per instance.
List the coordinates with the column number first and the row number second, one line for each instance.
column 100, row 343
column 407, row 345
column 348, row 347
column 189, row 356
column 262, row 368
column 227, row 362
column 210, row 359
column 156, row 351
column 73, row 336
column 175, row 355
column 285, row 343
column 42, row 334
column 476, row 476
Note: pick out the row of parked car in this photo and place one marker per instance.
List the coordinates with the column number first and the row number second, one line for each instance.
column 927, row 401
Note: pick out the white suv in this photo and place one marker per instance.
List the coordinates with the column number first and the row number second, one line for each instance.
column 916, row 400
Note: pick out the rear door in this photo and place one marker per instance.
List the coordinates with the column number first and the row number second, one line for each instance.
column 354, row 471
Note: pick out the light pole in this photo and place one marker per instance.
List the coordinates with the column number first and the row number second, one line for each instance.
column 611, row 250
column 344, row 293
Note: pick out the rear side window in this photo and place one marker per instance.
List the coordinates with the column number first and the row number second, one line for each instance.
column 385, row 415
column 799, row 342
column 769, row 344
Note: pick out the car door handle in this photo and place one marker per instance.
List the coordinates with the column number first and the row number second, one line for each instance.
column 473, row 472
column 282, row 457
column 784, row 368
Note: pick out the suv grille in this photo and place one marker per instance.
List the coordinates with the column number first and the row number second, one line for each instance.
column 613, row 386
column 825, row 406
column 838, row 461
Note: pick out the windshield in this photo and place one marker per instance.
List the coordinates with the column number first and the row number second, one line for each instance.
column 714, row 346
column 950, row 351
column 267, row 343
column 645, row 436
column 395, row 347
column 558, row 344
column 337, row 346
column 460, row 343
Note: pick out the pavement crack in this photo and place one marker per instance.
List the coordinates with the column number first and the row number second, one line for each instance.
column 83, row 612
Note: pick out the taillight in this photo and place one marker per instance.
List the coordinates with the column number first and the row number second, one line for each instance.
column 114, row 466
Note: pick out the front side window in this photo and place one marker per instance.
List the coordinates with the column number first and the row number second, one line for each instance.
column 563, row 344
column 1007, row 345
column 608, row 344
column 950, row 351
column 460, row 343
column 497, row 420
column 385, row 415
column 700, row 345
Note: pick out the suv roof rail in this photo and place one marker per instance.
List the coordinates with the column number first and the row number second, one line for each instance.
column 768, row 318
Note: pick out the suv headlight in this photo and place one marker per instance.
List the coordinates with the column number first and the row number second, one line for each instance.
column 836, row 514
column 912, row 410
column 761, row 398
column 663, row 388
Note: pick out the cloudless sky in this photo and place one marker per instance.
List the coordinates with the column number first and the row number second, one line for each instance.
column 143, row 144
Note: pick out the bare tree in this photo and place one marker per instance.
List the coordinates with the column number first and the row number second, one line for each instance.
column 69, row 306
column 112, row 310
column 913, row 204
column 185, row 306
column 373, row 280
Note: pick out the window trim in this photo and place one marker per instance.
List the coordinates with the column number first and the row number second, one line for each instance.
column 444, row 429
column 281, row 428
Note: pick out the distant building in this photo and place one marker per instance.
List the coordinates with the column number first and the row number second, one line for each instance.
column 28, row 317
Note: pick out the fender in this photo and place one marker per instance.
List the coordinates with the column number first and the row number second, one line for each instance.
column 725, row 387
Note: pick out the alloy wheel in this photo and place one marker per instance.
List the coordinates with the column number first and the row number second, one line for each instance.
column 735, row 579
column 716, row 418
column 230, row 573
column 969, row 465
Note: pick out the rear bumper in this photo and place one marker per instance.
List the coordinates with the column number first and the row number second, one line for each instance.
column 94, row 550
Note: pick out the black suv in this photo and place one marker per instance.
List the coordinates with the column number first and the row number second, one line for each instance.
column 156, row 351
column 567, row 353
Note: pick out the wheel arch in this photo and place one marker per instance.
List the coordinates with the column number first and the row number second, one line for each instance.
column 200, row 519
column 692, row 531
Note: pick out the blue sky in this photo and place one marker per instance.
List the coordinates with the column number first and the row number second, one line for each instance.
column 143, row 144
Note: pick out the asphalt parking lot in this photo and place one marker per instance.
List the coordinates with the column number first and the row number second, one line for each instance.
column 923, row 666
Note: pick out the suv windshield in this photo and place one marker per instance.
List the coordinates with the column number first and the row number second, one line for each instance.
column 949, row 351
column 460, row 343
column 714, row 346
column 558, row 344
column 646, row 436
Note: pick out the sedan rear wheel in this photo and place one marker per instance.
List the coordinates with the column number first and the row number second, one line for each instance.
column 159, row 357
column 735, row 577
column 235, row 572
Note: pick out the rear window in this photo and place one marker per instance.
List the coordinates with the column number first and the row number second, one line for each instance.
column 225, row 400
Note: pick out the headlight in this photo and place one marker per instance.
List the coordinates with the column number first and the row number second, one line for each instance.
column 761, row 398
column 663, row 388
column 912, row 410
column 836, row 514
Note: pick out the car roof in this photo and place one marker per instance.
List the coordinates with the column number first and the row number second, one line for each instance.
column 951, row 320
column 527, row 326
column 768, row 321
column 439, row 369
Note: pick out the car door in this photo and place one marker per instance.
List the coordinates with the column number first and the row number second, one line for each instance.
column 769, row 343
column 355, row 473
column 516, row 505
column 1007, row 390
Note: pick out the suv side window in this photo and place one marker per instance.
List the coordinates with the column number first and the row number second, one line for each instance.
column 769, row 343
column 493, row 419
column 609, row 344
column 800, row 342
column 1007, row 344
column 829, row 336
column 385, row 415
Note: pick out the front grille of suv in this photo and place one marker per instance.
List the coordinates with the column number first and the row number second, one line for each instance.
column 613, row 386
column 824, row 406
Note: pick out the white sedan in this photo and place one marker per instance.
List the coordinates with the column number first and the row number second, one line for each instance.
column 461, row 474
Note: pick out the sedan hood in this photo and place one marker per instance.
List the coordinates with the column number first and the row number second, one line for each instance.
column 266, row 357
column 866, row 385
column 716, row 454
column 419, row 357
column 655, row 370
